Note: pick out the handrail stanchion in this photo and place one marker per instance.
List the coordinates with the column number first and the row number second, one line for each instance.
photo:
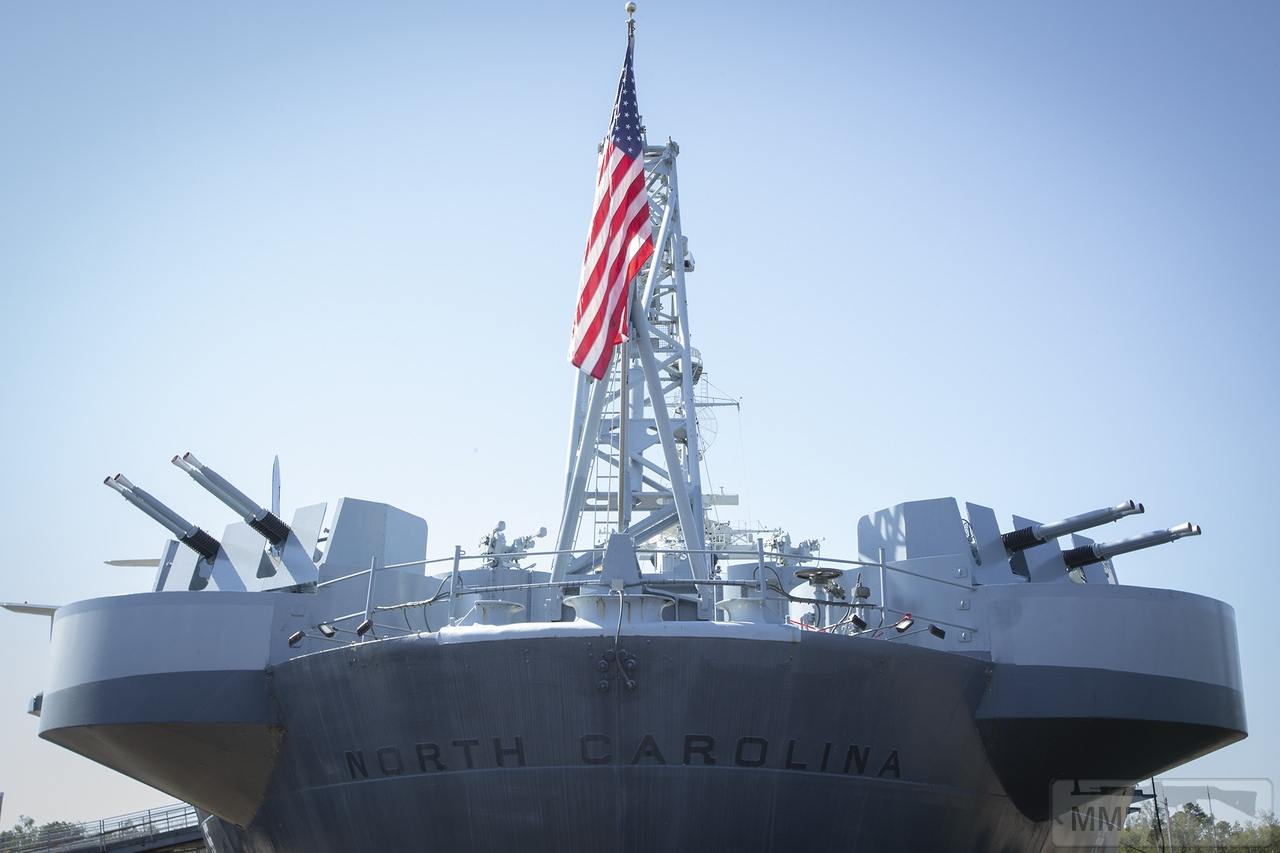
column 883, row 598
column 368, row 596
column 455, row 579
column 764, row 586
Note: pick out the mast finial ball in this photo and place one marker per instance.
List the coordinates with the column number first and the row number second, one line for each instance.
column 631, row 9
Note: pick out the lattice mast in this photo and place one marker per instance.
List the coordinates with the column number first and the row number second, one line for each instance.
column 655, row 425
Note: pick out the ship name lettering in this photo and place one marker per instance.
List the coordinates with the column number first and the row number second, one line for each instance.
column 761, row 752
column 599, row 749
column 595, row 749
column 857, row 754
column 466, row 744
column 791, row 763
column 648, row 748
column 501, row 753
column 355, row 762
column 390, row 762
column 699, row 745
column 429, row 752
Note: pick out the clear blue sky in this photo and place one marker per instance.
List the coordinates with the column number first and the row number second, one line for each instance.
column 1025, row 254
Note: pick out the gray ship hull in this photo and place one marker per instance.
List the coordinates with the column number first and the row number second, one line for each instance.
column 490, row 746
column 721, row 742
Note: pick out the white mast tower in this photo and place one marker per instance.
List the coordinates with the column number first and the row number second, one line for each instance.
column 644, row 410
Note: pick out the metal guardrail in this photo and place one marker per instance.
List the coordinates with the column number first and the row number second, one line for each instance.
column 451, row 586
column 113, row 831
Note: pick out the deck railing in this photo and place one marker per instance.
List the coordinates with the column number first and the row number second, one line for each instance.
column 768, row 563
column 111, row 832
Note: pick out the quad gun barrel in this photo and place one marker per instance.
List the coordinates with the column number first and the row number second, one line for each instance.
column 260, row 519
column 1097, row 552
column 1037, row 534
column 186, row 532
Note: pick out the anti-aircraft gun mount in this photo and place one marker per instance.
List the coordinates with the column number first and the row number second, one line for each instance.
column 963, row 544
column 1036, row 542
column 187, row 533
column 262, row 520
column 1038, row 534
column 241, row 559
column 1087, row 555
column 266, row 522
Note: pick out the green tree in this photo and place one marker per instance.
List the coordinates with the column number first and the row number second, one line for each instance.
column 23, row 831
column 59, row 829
column 1190, row 829
column 26, row 832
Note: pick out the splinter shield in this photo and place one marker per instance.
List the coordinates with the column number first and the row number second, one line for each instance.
column 1181, row 814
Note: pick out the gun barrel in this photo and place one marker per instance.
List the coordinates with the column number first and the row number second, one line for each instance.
column 1099, row 551
column 186, row 532
column 261, row 520
column 1037, row 534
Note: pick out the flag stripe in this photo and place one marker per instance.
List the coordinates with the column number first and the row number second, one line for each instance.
column 616, row 170
column 613, row 204
column 606, row 274
column 601, row 253
column 598, row 273
column 595, row 272
column 608, row 326
column 598, row 332
column 615, row 209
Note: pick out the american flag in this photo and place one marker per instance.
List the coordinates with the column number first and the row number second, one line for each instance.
column 620, row 238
